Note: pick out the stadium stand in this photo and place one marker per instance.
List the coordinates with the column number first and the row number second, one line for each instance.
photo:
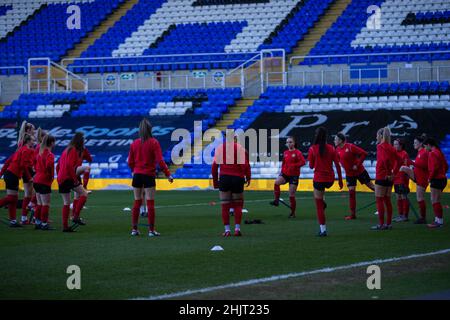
column 54, row 38
column 399, row 31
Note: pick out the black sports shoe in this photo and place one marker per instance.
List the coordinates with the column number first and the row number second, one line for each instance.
column 275, row 203
column 37, row 226
column 15, row 225
column 292, row 215
column 45, row 227
column 68, row 230
column 420, row 221
column 79, row 221
column 322, row 234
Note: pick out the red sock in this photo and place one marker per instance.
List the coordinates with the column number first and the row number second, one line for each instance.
column 38, row 212
column 25, row 203
column 34, row 201
column 438, row 211
column 11, row 201
column 65, row 216
column 80, row 204
column 400, row 206
column 320, row 211
column 387, row 201
column 74, row 206
column 276, row 192
column 151, row 214
column 7, row 200
column 44, row 213
column 423, row 209
column 380, row 209
column 406, row 207
column 352, row 198
column 135, row 213
column 293, row 203
column 86, row 179
column 238, row 205
column 226, row 213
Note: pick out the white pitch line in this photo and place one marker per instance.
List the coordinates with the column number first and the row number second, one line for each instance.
column 292, row 275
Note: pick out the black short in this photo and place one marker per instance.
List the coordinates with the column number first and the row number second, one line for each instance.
column 31, row 172
column 290, row 179
column 42, row 188
column 11, row 181
column 401, row 189
column 384, row 183
column 363, row 178
column 231, row 183
column 439, row 184
column 321, row 186
column 143, row 181
column 68, row 186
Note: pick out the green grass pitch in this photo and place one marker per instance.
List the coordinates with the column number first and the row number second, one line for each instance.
column 115, row 265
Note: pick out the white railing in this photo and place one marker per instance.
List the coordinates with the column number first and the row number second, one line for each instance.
column 342, row 76
column 47, row 78
column 409, row 56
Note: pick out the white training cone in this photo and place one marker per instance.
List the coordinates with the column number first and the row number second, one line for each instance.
column 217, row 248
column 126, row 209
column 244, row 211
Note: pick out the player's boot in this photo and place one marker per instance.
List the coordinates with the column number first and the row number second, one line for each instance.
column 275, row 203
column 435, row 225
column 79, row 221
column 14, row 224
column 237, row 233
column 226, row 234
column 322, row 234
column 350, row 217
column 153, row 234
column 420, row 221
column 135, row 232
column 377, row 227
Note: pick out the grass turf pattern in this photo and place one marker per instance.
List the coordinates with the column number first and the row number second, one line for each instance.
column 115, row 265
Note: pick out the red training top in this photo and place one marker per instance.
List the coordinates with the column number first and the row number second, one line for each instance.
column 386, row 158
column 18, row 164
column 323, row 164
column 437, row 164
column 144, row 156
column 350, row 156
column 403, row 160
column 421, row 168
column 85, row 156
column 67, row 165
column 45, row 168
column 292, row 162
column 234, row 163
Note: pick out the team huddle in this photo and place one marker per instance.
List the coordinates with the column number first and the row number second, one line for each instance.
column 34, row 163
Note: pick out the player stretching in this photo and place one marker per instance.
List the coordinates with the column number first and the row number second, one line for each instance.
column 145, row 154
column 293, row 160
column 42, row 182
column 351, row 158
column 28, row 158
column 401, row 181
column 321, row 157
column 438, row 167
column 13, row 170
column 68, row 173
column 420, row 176
column 234, row 165
column 85, row 171
column 386, row 158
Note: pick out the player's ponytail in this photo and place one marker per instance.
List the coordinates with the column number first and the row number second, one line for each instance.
column 387, row 135
column 41, row 134
column 145, row 130
column 46, row 143
column 77, row 142
column 432, row 143
column 321, row 139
